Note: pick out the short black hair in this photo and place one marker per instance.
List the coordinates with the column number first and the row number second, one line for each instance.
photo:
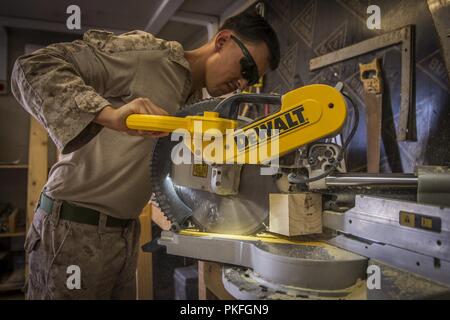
column 252, row 27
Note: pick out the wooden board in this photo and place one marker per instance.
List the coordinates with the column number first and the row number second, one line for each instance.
column 13, row 166
column 144, row 267
column 37, row 166
column 12, row 235
column 37, row 171
column 210, row 285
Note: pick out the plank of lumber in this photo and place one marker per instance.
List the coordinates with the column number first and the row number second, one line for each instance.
column 37, row 166
column 210, row 285
column 144, row 266
column 203, row 292
column 13, row 235
column 37, row 171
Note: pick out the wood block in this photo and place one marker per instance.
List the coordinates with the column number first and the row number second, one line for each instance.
column 295, row 214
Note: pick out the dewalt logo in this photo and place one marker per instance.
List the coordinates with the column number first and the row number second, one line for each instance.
column 261, row 131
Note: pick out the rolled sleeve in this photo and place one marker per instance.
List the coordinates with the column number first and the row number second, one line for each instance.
column 65, row 85
column 50, row 88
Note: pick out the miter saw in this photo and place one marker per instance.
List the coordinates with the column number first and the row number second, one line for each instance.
column 218, row 200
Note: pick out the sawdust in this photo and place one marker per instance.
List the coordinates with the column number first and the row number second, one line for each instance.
column 405, row 285
column 324, row 253
column 252, row 285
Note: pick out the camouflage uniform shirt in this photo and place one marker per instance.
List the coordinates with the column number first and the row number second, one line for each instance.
column 65, row 85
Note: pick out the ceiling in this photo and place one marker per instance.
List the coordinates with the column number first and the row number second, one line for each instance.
column 181, row 20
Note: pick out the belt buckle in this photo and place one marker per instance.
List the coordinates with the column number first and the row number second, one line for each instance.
column 122, row 223
column 127, row 223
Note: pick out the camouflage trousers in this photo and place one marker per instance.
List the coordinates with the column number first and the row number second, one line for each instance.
column 69, row 260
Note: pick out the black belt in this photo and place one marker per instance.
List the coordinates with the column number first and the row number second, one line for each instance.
column 79, row 214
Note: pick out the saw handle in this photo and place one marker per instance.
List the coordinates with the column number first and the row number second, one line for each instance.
column 229, row 108
column 155, row 123
column 370, row 75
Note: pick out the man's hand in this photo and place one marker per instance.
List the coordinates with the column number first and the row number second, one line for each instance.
column 115, row 118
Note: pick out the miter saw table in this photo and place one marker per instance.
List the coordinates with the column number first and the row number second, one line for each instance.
column 394, row 224
column 414, row 263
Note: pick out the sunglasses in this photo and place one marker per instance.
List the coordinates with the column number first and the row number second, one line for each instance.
column 249, row 69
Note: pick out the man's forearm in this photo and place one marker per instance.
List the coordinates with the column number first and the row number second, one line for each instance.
column 115, row 118
column 105, row 116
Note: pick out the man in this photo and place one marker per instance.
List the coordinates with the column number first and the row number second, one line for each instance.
column 82, row 92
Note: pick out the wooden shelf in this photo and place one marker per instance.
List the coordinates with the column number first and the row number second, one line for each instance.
column 14, row 280
column 11, row 287
column 36, row 169
column 12, row 234
column 13, row 166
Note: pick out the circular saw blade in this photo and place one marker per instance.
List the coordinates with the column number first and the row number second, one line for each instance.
column 244, row 213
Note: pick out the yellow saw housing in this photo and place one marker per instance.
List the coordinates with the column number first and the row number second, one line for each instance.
column 307, row 114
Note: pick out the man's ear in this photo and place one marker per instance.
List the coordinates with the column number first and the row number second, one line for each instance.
column 221, row 38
